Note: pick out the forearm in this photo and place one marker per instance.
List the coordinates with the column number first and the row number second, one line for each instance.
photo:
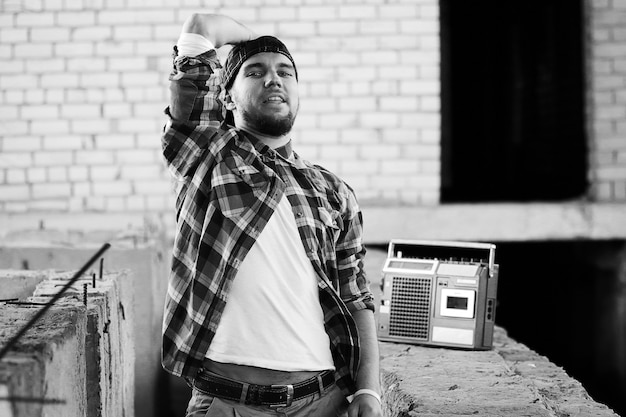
column 369, row 369
column 367, row 404
column 218, row 29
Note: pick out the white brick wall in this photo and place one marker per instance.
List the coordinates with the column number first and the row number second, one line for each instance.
column 607, row 98
column 83, row 84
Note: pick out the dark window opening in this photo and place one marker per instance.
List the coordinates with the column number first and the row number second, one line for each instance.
column 565, row 300
column 512, row 100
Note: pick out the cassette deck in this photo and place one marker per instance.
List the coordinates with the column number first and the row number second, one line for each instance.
column 439, row 293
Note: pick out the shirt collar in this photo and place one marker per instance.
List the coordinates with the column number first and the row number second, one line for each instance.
column 286, row 151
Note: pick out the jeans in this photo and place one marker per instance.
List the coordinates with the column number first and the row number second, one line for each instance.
column 331, row 403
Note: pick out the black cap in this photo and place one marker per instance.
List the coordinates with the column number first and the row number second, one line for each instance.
column 244, row 50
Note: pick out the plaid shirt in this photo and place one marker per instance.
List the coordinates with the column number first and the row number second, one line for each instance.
column 228, row 185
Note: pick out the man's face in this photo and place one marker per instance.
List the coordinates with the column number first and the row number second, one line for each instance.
column 265, row 93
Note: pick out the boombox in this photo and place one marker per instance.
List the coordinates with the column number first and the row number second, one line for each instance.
column 439, row 293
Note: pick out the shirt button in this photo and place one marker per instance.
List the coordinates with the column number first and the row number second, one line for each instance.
column 300, row 214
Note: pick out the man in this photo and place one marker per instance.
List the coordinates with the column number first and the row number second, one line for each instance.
column 268, row 309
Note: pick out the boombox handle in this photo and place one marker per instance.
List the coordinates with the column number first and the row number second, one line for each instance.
column 455, row 244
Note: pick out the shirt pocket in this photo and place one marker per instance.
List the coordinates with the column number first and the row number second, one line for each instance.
column 330, row 218
column 238, row 190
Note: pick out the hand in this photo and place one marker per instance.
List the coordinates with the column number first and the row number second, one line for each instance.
column 365, row 406
column 219, row 29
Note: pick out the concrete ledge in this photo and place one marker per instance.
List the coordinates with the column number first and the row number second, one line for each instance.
column 496, row 222
column 508, row 381
column 383, row 222
column 19, row 284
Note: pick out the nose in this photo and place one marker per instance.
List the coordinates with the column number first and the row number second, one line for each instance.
column 272, row 79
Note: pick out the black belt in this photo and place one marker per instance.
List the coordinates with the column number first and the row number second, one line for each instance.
column 252, row 394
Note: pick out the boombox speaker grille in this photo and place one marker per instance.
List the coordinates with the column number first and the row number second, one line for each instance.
column 410, row 306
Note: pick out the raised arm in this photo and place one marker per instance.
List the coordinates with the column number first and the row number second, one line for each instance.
column 218, row 29
column 196, row 109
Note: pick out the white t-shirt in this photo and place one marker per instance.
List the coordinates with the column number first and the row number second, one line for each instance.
column 273, row 318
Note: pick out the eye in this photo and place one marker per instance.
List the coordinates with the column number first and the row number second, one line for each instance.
column 285, row 74
column 254, row 74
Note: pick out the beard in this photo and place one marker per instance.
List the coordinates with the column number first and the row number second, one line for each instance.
column 269, row 125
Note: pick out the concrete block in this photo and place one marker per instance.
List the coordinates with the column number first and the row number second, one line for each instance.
column 109, row 351
column 379, row 119
column 57, row 174
column 14, row 35
column 100, row 79
column 398, row 11
column 43, row 249
column 81, row 111
column 400, row 167
column 310, row 12
column 92, row 33
column 359, row 136
column 104, row 172
column 358, row 104
column 64, row 80
column 40, row 111
column 91, row 126
column 139, row 125
column 34, row 19
column 51, row 190
column 336, row 28
column 115, row 110
column 37, row 174
column 134, row 32
column 402, row 104
column 18, row 81
column 15, row 192
column 50, row 34
column 19, row 284
column 81, row 18
column 74, row 49
column 154, row 15
column 297, row 29
column 65, row 142
column 113, row 48
column 51, row 158
column 48, row 363
column 360, row 12
column 15, row 176
column 94, row 157
column 278, row 13
column 112, row 188
column 115, row 204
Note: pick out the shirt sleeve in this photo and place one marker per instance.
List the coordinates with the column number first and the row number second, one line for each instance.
column 196, row 111
column 354, row 286
column 196, row 91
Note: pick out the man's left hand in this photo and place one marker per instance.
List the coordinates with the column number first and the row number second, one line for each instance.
column 365, row 406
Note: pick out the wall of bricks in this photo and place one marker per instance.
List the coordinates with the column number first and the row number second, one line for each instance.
column 83, row 85
column 607, row 99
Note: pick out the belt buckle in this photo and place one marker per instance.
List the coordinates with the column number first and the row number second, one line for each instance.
column 289, row 398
